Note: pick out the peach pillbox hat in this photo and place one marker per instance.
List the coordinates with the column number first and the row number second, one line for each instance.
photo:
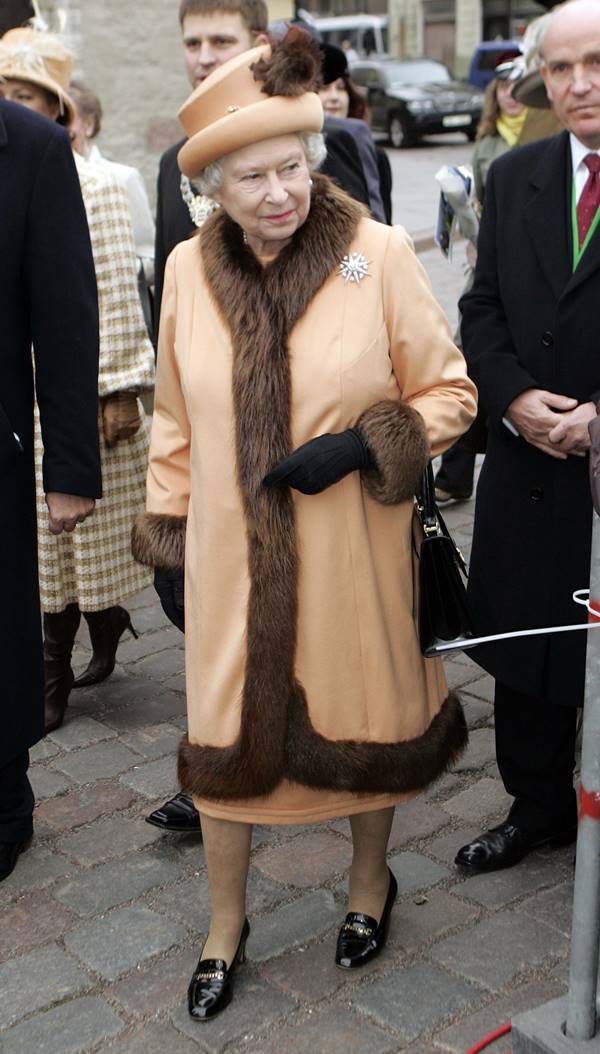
column 39, row 58
column 229, row 110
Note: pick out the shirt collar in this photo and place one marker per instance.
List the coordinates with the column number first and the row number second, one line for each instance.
column 579, row 151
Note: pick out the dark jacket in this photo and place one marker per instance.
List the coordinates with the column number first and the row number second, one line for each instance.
column 48, row 299
column 530, row 322
column 173, row 222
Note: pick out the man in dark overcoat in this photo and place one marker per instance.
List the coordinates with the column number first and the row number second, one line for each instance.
column 48, row 300
column 530, row 331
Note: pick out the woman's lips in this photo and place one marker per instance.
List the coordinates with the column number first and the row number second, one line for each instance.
column 280, row 217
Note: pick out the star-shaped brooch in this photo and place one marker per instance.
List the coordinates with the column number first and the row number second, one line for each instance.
column 354, row 267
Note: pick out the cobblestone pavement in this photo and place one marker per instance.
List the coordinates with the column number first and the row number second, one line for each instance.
column 101, row 923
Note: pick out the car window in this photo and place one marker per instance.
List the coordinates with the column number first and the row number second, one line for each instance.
column 398, row 73
column 366, row 76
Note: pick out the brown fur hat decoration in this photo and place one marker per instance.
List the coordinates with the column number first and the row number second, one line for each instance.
column 294, row 66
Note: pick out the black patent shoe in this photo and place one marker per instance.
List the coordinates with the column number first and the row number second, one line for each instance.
column 361, row 937
column 178, row 814
column 507, row 844
column 211, row 986
column 10, row 853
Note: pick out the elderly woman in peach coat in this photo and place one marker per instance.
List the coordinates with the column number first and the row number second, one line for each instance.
column 305, row 376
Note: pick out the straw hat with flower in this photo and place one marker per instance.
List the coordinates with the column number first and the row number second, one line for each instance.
column 39, row 58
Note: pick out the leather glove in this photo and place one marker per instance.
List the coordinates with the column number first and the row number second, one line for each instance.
column 318, row 464
column 120, row 417
column 169, row 586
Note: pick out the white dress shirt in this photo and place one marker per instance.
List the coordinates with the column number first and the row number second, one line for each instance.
column 580, row 169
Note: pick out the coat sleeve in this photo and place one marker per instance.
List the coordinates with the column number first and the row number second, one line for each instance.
column 489, row 349
column 61, row 290
column 126, row 354
column 158, row 538
column 437, row 401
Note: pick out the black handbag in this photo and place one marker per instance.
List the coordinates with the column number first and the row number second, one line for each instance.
column 443, row 608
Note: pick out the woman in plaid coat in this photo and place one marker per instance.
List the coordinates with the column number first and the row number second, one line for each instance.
column 91, row 571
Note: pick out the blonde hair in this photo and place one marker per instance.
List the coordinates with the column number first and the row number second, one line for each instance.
column 490, row 112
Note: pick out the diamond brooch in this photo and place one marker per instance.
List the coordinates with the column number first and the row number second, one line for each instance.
column 354, row 267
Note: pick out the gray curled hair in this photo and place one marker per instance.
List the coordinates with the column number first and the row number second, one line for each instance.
column 210, row 179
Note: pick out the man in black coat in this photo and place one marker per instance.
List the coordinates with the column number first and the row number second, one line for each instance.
column 530, row 333
column 48, row 300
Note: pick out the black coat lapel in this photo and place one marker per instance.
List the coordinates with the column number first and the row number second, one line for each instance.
column 588, row 265
column 546, row 213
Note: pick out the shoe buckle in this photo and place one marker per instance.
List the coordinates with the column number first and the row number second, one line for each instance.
column 212, row 975
column 358, row 929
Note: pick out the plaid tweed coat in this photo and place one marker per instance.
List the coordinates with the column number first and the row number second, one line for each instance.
column 93, row 567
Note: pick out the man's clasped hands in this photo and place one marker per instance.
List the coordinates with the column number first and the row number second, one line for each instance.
column 555, row 424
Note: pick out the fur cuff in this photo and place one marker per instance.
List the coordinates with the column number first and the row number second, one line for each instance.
column 396, row 437
column 159, row 541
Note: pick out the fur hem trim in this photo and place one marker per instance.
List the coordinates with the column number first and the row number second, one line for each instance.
column 159, row 541
column 239, row 771
column 396, row 437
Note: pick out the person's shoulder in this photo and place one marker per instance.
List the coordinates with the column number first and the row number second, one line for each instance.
column 381, row 238
column 169, row 157
column 523, row 158
column 19, row 121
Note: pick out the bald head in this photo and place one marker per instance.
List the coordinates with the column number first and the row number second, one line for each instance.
column 570, row 50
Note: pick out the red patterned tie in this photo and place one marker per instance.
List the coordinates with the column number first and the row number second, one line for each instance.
column 589, row 200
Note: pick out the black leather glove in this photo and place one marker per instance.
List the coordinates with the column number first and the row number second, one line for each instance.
column 169, row 586
column 318, row 464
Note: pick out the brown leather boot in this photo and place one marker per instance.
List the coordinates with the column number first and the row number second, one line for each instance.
column 106, row 629
column 59, row 637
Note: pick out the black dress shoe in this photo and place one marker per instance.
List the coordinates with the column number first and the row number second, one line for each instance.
column 178, row 814
column 211, row 986
column 361, row 937
column 507, row 844
column 10, row 853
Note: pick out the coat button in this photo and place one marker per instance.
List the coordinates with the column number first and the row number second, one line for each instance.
column 547, row 339
column 536, row 494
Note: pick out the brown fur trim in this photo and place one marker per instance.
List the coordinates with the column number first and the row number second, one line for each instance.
column 294, row 66
column 310, row 759
column 396, row 437
column 159, row 541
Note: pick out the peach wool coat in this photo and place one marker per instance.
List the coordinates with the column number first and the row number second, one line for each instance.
column 308, row 696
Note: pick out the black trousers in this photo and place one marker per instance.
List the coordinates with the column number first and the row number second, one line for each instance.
column 457, row 470
column 535, row 750
column 16, row 799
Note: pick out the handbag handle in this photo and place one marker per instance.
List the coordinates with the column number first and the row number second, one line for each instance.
column 431, row 518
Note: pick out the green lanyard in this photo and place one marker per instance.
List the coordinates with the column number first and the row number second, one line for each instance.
column 577, row 252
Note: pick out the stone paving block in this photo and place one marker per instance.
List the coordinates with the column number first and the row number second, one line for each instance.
column 484, row 799
column 458, row 676
column 471, row 1029
column 35, row 869
column 414, row 821
column 177, row 683
column 335, row 1029
column 115, row 883
column 115, row 943
column 72, row 1028
column 480, row 751
column 107, row 838
column 483, row 688
column 46, row 783
column 153, row 1039
column 497, row 949
column 162, row 666
column 131, row 650
column 153, row 741
column 85, row 805
column 310, row 974
column 146, row 598
column 554, row 907
column 415, row 871
column 36, row 980
column 444, row 788
column 257, row 1006
column 95, row 763
column 154, row 779
column 189, row 901
column 141, row 712
column 81, row 732
column 415, row 924
column 155, row 989
column 32, row 920
column 43, row 750
column 446, row 846
column 498, row 888
column 293, row 924
column 305, row 861
column 476, row 711
column 148, row 620
column 397, row 1001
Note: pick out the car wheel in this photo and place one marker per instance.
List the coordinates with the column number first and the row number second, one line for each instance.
column 397, row 132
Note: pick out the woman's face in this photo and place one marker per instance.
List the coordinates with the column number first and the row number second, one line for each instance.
column 30, row 95
column 506, row 103
column 335, row 98
column 266, row 189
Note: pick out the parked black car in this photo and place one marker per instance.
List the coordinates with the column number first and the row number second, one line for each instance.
column 410, row 98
